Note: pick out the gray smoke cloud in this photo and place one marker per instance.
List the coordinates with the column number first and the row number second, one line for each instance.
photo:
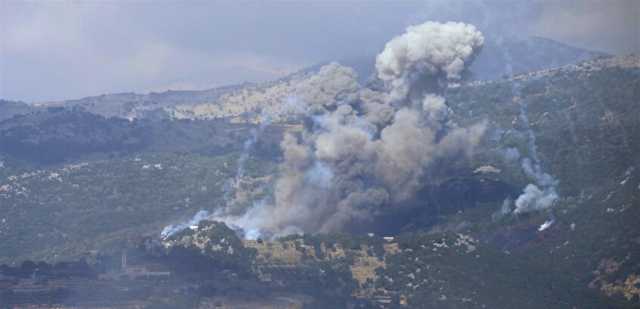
column 364, row 149
column 332, row 85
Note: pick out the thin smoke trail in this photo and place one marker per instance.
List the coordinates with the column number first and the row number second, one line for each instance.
column 230, row 186
column 247, row 146
column 542, row 194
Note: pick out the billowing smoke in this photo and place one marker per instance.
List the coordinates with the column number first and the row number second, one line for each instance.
column 533, row 198
column 332, row 85
column 537, row 196
column 361, row 150
column 427, row 55
column 367, row 149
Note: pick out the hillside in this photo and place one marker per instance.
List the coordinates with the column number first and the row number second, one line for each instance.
column 9, row 109
column 464, row 241
column 583, row 252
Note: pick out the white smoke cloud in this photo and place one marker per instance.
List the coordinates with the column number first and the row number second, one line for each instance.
column 440, row 51
column 174, row 228
column 533, row 199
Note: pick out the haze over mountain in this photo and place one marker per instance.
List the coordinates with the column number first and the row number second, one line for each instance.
column 106, row 180
column 451, row 166
column 63, row 50
column 500, row 57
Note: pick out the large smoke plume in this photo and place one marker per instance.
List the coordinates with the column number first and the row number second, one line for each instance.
column 371, row 149
column 366, row 150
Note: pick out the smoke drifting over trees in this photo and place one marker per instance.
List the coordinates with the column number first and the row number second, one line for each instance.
column 365, row 149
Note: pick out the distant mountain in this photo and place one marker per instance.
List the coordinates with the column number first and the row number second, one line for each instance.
column 58, row 134
column 9, row 109
column 500, row 56
column 504, row 57
column 132, row 105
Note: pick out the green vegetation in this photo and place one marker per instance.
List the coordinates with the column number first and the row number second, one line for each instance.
column 63, row 211
column 152, row 173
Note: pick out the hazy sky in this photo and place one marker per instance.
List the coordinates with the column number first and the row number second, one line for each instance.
column 52, row 50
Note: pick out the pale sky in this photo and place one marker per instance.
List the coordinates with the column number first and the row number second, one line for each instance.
column 54, row 50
